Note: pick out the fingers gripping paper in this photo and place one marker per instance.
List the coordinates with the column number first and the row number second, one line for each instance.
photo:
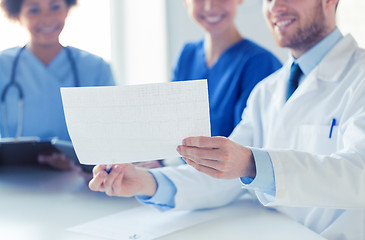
column 120, row 124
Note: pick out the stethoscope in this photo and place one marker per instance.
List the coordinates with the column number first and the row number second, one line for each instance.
column 14, row 83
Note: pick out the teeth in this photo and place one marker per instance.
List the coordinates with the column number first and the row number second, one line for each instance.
column 283, row 23
column 47, row 29
column 213, row 19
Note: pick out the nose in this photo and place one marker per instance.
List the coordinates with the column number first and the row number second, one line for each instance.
column 275, row 5
column 209, row 5
column 47, row 15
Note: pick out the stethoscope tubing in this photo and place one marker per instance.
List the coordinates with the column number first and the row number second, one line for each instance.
column 15, row 84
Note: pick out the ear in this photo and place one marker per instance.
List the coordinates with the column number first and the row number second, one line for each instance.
column 331, row 4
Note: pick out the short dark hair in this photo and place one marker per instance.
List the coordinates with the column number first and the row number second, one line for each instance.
column 12, row 8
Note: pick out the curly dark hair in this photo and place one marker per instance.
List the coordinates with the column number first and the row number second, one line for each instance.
column 12, row 8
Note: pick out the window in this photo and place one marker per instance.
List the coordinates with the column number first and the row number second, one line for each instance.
column 139, row 41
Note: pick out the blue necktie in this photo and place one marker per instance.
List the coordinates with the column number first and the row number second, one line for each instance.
column 293, row 82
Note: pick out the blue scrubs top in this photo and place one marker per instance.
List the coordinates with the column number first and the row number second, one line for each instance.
column 43, row 114
column 230, row 79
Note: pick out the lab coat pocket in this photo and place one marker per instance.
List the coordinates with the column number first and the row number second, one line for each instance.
column 316, row 139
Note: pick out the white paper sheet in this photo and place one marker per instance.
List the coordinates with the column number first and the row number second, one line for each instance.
column 142, row 223
column 119, row 124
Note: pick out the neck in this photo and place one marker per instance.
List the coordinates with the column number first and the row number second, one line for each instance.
column 215, row 45
column 298, row 52
column 45, row 53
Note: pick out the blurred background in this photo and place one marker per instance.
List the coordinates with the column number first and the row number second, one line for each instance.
column 142, row 38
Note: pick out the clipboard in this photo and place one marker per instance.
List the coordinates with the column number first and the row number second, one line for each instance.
column 23, row 151
column 67, row 148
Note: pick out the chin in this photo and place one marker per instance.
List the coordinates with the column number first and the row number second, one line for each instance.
column 280, row 42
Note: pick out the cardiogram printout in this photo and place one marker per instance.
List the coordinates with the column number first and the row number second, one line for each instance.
column 120, row 124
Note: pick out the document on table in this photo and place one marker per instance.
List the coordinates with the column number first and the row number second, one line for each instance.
column 142, row 223
column 120, row 124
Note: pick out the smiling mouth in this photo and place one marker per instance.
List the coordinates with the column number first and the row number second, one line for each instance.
column 284, row 23
column 48, row 29
column 213, row 19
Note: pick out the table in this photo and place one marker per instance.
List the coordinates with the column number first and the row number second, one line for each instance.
column 39, row 203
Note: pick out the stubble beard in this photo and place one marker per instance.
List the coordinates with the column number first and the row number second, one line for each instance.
column 308, row 36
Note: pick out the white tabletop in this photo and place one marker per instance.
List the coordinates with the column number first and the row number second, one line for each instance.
column 39, row 204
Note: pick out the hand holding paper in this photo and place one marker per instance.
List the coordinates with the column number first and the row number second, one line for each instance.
column 110, row 125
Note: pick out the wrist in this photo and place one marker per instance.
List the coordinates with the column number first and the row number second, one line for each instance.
column 251, row 169
column 149, row 185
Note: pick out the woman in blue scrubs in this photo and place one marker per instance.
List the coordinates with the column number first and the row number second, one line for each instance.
column 232, row 64
column 39, row 70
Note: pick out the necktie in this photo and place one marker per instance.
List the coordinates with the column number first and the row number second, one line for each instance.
column 295, row 74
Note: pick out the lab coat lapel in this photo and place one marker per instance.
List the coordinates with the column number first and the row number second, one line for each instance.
column 332, row 67
column 329, row 69
column 279, row 91
column 283, row 123
column 309, row 84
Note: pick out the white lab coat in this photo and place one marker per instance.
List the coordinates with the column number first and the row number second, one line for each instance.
column 320, row 181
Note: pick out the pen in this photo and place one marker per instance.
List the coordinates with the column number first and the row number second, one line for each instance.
column 108, row 168
column 333, row 123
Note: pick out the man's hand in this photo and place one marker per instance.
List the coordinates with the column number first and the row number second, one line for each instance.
column 124, row 180
column 218, row 157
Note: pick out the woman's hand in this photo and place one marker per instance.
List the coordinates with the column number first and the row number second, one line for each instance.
column 59, row 161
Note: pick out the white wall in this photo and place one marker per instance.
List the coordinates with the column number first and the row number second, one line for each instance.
column 250, row 21
column 139, row 41
column 351, row 18
column 118, row 62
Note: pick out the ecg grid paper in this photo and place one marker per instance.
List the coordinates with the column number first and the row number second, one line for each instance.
column 121, row 124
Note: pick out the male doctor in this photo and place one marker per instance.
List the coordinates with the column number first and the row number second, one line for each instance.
column 300, row 145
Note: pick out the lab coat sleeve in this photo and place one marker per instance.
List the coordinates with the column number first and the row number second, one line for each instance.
column 196, row 190
column 247, row 132
column 264, row 180
column 325, row 181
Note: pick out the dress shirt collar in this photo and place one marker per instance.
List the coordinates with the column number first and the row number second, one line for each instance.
column 310, row 59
